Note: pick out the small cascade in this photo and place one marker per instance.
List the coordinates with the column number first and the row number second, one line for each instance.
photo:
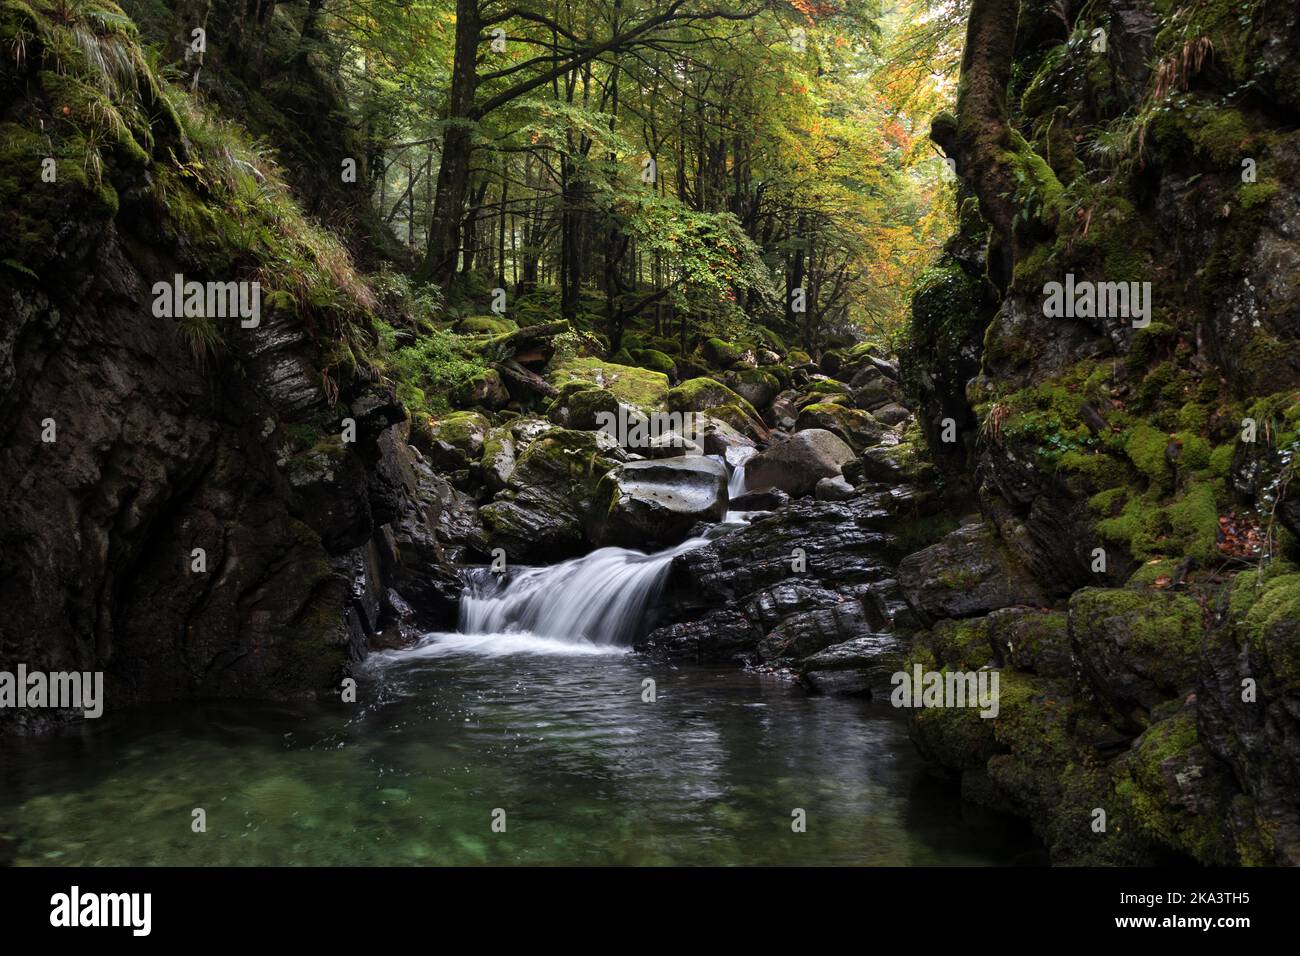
column 736, row 484
column 601, row 598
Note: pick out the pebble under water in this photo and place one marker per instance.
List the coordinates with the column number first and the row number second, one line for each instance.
column 553, row 732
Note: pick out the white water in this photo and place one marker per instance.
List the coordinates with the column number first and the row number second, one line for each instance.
column 736, row 484
column 598, row 600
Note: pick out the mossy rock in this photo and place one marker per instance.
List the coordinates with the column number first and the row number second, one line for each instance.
column 1266, row 613
column 1139, row 649
column 543, row 512
column 756, row 386
column 702, row 394
column 582, row 408
column 798, row 357
column 654, row 359
column 1178, row 793
column 641, row 387
column 456, row 440
column 486, row 325
column 721, row 354
column 857, row 428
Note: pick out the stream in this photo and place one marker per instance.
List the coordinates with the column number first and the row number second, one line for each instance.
column 538, row 709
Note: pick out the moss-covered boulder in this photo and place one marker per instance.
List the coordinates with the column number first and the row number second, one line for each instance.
column 1139, row 649
column 453, row 441
column 1178, row 793
column 654, row 359
column 486, row 325
column 484, row 390
column 542, row 514
column 724, row 355
column 497, row 463
column 582, row 408
column 858, row 428
column 756, row 386
column 701, row 394
column 641, row 387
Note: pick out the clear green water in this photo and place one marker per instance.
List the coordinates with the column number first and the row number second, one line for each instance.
column 586, row 772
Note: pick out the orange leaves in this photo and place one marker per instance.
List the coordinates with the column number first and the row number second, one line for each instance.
column 1240, row 536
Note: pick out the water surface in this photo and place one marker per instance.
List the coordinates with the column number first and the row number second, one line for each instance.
column 555, row 733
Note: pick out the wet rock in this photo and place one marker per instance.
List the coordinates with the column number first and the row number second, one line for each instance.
column 968, row 572
column 834, row 489
column 798, row 463
column 807, row 632
column 718, row 635
column 646, row 504
column 542, row 513
column 768, row 500
column 863, row 665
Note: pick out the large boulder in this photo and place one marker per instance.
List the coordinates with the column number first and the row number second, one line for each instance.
column 858, row 428
column 966, row 573
column 754, row 385
column 453, row 441
column 644, row 504
column 798, row 463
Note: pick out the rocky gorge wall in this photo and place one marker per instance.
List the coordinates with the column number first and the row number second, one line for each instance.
column 1140, row 471
column 129, row 439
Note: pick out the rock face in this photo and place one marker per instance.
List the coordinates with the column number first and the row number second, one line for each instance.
column 649, row 504
column 1111, row 464
column 157, row 455
column 863, row 665
column 798, row 463
column 967, row 573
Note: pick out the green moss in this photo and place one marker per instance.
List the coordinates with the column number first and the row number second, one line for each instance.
column 1165, row 751
column 654, row 359
column 702, row 394
column 721, row 354
column 1145, row 447
column 641, row 387
column 1194, row 520
column 1257, row 193
column 486, row 325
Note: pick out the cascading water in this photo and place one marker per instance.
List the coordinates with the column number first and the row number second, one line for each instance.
column 600, row 598
column 736, row 484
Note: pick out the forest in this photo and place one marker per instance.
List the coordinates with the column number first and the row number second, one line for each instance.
column 643, row 420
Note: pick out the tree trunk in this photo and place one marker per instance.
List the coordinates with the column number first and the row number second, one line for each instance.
column 443, row 244
column 981, row 136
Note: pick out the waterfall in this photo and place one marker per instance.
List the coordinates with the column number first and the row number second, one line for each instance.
column 601, row 597
column 736, row 484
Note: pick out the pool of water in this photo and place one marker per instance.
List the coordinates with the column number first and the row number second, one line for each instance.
column 553, row 738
